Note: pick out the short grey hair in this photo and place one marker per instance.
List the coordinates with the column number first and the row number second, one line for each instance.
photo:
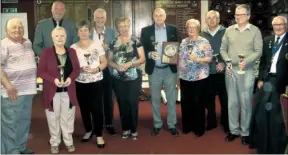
column 284, row 19
column 194, row 21
column 10, row 21
column 213, row 11
column 84, row 23
column 58, row 28
column 100, row 10
column 245, row 6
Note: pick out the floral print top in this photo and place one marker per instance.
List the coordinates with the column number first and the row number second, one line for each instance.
column 190, row 70
column 124, row 53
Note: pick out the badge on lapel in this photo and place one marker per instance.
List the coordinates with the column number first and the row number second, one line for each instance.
column 152, row 38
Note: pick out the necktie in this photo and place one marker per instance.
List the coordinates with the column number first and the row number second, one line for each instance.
column 276, row 46
column 277, row 41
column 99, row 35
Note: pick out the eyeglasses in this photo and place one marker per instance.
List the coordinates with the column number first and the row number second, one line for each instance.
column 214, row 18
column 240, row 15
column 278, row 25
column 191, row 28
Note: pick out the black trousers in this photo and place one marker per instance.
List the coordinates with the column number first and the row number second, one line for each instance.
column 127, row 93
column 193, row 95
column 90, row 102
column 217, row 86
column 107, row 97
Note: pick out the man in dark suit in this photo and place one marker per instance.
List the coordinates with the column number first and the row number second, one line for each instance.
column 267, row 125
column 160, row 75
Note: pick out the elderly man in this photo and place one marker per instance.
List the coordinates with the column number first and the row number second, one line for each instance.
column 103, row 35
column 160, row 75
column 244, row 39
column 214, row 34
column 43, row 31
column 267, row 130
column 18, row 74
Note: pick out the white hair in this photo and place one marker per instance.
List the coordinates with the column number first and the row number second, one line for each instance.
column 284, row 19
column 100, row 10
column 194, row 21
column 215, row 12
column 12, row 21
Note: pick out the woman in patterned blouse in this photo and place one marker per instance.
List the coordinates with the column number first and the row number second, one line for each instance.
column 125, row 56
column 89, row 88
column 194, row 56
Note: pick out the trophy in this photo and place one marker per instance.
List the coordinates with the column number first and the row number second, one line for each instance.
column 216, row 58
column 61, row 69
column 241, row 57
column 87, row 55
column 190, row 47
column 155, row 43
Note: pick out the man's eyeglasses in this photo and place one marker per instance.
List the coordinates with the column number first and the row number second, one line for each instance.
column 240, row 15
column 278, row 25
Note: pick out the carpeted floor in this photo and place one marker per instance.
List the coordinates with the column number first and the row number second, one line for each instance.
column 212, row 142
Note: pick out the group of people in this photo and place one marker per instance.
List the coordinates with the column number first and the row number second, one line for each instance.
column 82, row 64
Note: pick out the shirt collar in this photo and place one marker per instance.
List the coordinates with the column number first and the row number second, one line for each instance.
column 103, row 32
column 213, row 32
column 158, row 28
column 55, row 23
column 281, row 37
column 247, row 27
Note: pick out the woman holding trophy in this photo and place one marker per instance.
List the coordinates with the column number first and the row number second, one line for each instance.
column 89, row 87
column 125, row 57
column 59, row 67
column 194, row 57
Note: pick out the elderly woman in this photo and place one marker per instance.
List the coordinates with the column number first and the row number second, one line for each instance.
column 59, row 67
column 89, row 87
column 194, row 56
column 125, row 56
column 18, row 80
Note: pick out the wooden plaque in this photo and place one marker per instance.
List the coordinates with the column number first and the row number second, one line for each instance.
column 170, row 53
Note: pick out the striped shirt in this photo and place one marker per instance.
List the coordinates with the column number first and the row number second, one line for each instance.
column 18, row 62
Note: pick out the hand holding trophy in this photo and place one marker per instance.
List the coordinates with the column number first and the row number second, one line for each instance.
column 155, row 55
column 87, row 56
column 241, row 69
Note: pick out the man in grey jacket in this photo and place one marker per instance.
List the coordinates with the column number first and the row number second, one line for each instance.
column 103, row 35
column 214, row 33
column 43, row 38
column 245, row 39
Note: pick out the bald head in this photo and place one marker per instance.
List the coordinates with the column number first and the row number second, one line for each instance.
column 58, row 10
column 15, row 29
column 159, row 17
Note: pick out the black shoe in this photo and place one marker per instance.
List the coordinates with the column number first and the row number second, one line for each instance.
column 186, row 131
column 231, row 137
column 111, row 130
column 174, row 132
column 200, row 134
column 245, row 140
column 100, row 146
column 210, row 127
column 27, row 151
column 155, row 131
column 226, row 130
column 83, row 140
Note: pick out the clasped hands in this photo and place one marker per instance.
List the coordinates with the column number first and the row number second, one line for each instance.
column 124, row 67
column 60, row 84
column 88, row 69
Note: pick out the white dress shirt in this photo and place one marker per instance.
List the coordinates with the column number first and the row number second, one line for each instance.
column 96, row 37
column 275, row 58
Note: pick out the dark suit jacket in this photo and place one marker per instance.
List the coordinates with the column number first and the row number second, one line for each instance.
column 281, row 66
column 148, row 36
